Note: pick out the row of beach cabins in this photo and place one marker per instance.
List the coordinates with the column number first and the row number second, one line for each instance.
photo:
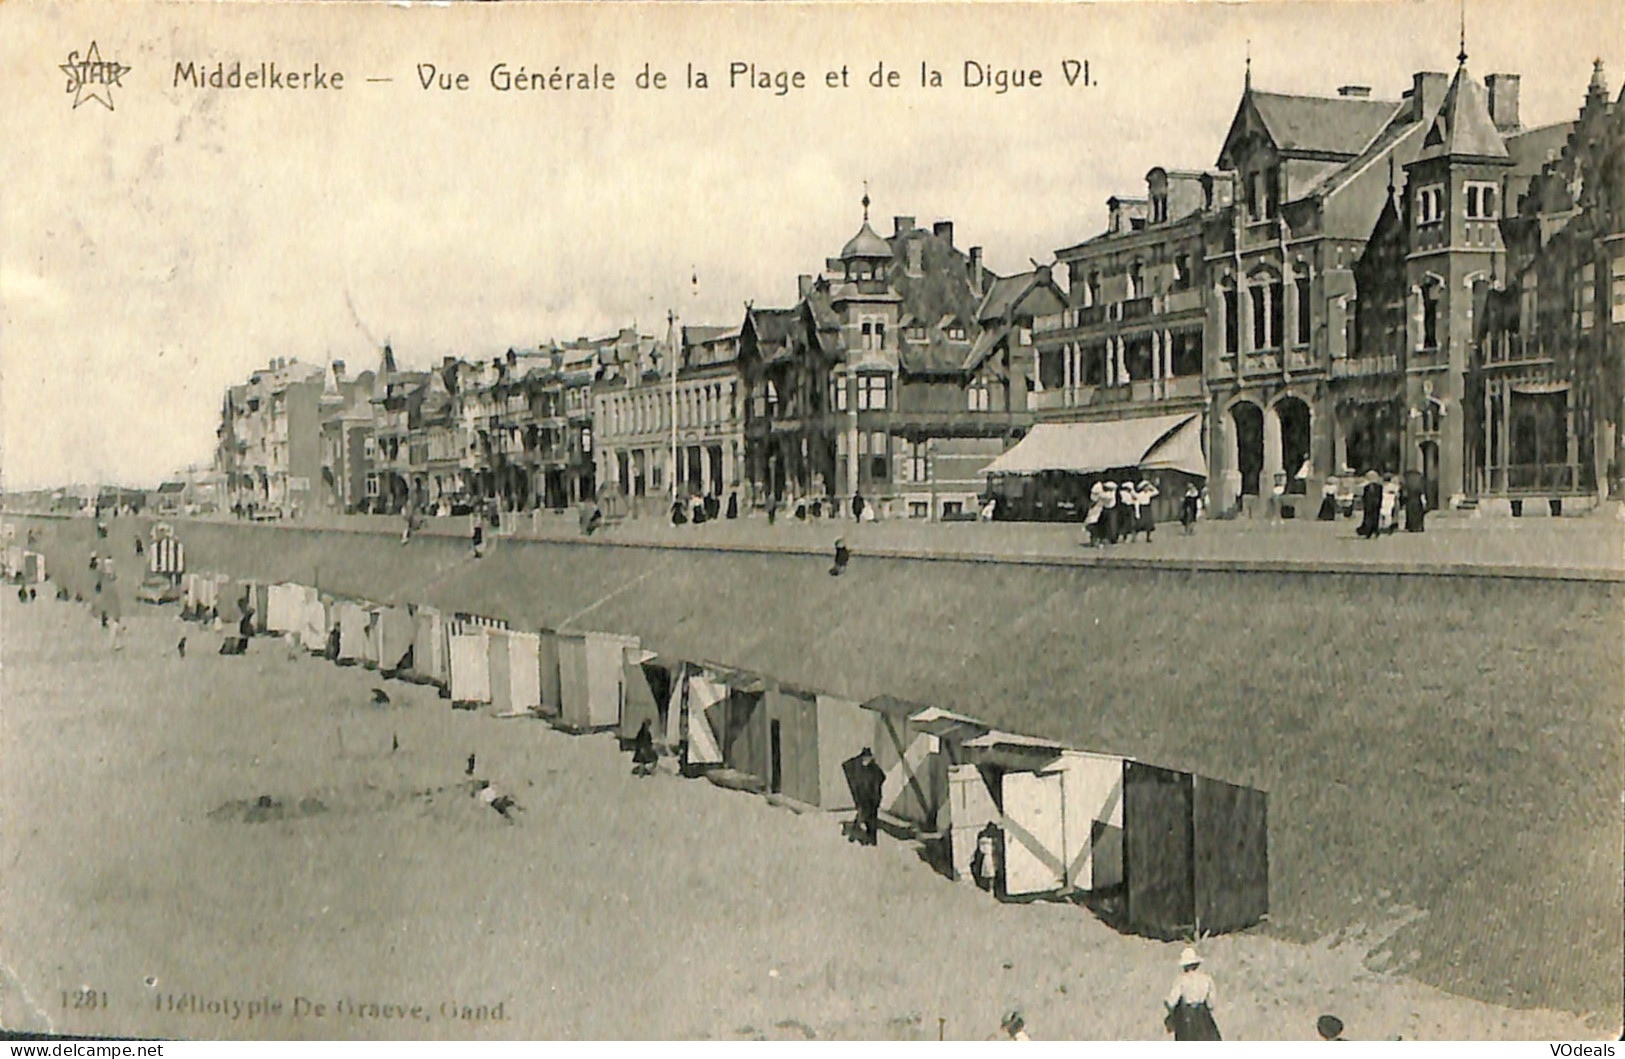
column 1153, row 850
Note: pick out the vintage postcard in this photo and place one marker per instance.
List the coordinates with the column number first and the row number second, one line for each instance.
column 885, row 521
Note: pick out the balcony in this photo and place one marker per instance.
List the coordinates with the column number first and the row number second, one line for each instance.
column 1509, row 348
column 1135, row 309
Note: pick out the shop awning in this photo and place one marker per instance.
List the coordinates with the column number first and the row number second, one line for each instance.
column 1153, row 442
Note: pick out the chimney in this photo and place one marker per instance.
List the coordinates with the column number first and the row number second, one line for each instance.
column 1503, row 101
column 1355, row 91
column 513, row 358
column 804, row 285
column 1427, row 92
column 447, row 361
column 976, row 269
column 944, row 230
column 338, row 369
column 903, row 225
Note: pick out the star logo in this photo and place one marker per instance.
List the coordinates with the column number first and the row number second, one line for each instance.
column 92, row 77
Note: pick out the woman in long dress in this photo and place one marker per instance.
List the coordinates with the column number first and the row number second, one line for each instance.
column 1190, row 1002
column 1094, row 522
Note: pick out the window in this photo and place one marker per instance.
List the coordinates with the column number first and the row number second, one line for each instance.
column 772, row 399
column 1182, row 271
column 918, row 469
column 977, row 396
column 874, row 333
column 1430, row 204
column 954, row 332
column 586, row 439
column 1529, row 303
column 1430, row 416
column 1136, row 282
column 915, row 334
column 372, row 485
column 1480, row 201
column 1187, row 353
column 1617, row 271
column 1267, row 313
column 919, row 509
column 1159, row 208
column 369, row 447
column 1430, row 316
column 1586, row 297
column 1260, row 317
column 1094, row 364
column 1303, row 310
column 871, row 392
column 1092, row 290
column 1232, row 321
column 878, row 456
column 838, row 393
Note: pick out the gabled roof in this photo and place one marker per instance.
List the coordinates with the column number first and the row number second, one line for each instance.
column 1320, row 124
column 772, row 326
column 986, row 341
column 1003, row 293
column 1400, row 139
column 1463, row 127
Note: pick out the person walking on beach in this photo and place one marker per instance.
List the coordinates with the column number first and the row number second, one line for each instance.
column 842, row 557
column 1190, row 1002
column 867, row 781
column 644, row 756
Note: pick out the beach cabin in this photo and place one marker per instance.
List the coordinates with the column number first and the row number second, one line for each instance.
column 650, row 681
column 428, row 646
column 515, row 672
column 704, row 716
column 1060, row 813
column 284, row 603
column 1195, row 853
column 591, row 678
column 916, row 788
column 547, row 660
column 353, row 621
column 392, row 631
column 809, row 735
column 469, row 661
column 312, row 620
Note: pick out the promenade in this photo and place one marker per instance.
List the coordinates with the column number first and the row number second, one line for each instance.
column 1585, row 547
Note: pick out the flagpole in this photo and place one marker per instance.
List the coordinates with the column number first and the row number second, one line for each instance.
column 671, row 351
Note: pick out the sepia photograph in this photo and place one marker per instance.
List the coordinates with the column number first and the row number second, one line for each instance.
column 812, row 521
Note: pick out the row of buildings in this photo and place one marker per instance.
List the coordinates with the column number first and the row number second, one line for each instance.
column 1414, row 285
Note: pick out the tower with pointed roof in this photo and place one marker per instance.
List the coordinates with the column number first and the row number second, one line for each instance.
column 1454, row 190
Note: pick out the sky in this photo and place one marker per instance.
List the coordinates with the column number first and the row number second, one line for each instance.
column 155, row 253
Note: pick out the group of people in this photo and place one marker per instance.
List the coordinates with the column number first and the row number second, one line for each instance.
column 1120, row 510
column 702, row 508
column 1381, row 501
column 803, row 508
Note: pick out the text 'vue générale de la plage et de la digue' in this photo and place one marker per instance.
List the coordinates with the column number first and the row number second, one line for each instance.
column 254, row 75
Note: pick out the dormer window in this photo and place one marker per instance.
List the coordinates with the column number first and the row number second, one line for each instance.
column 954, row 333
column 915, row 334
column 1481, row 205
column 1159, row 208
column 977, row 396
column 1430, row 204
